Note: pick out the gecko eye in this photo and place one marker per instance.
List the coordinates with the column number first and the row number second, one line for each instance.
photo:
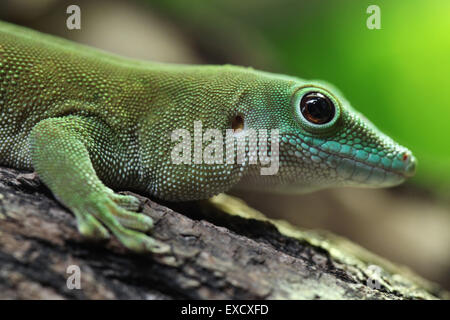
column 317, row 108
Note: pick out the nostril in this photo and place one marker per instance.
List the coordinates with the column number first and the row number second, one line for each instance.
column 405, row 157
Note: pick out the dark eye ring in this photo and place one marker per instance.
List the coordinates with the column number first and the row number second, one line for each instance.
column 317, row 108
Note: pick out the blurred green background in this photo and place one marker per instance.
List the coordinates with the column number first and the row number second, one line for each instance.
column 397, row 76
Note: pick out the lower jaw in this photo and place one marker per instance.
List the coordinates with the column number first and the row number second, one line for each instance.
column 389, row 180
column 356, row 173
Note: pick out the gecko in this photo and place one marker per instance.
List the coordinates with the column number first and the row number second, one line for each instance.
column 90, row 123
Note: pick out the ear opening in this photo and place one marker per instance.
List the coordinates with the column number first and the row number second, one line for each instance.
column 237, row 123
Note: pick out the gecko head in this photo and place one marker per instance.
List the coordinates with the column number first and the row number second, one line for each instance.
column 324, row 142
column 348, row 148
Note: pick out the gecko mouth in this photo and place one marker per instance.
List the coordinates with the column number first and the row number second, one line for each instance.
column 363, row 173
column 358, row 172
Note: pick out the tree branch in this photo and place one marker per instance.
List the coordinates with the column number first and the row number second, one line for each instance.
column 219, row 249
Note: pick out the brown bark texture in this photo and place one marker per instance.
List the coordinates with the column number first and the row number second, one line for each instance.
column 219, row 249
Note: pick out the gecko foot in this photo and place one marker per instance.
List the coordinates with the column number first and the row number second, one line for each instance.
column 102, row 208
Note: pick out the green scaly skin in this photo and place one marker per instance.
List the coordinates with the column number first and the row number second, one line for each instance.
column 89, row 122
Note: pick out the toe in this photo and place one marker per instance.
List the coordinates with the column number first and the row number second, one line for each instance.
column 126, row 201
column 130, row 219
column 90, row 227
column 139, row 242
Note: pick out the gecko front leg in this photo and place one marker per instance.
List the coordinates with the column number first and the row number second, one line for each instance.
column 60, row 155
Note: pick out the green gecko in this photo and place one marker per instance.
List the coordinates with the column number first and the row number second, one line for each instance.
column 88, row 122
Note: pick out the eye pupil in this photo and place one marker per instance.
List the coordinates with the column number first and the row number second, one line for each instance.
column 317, row 108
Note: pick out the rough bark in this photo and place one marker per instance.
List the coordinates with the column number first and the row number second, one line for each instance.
column 219, row 249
